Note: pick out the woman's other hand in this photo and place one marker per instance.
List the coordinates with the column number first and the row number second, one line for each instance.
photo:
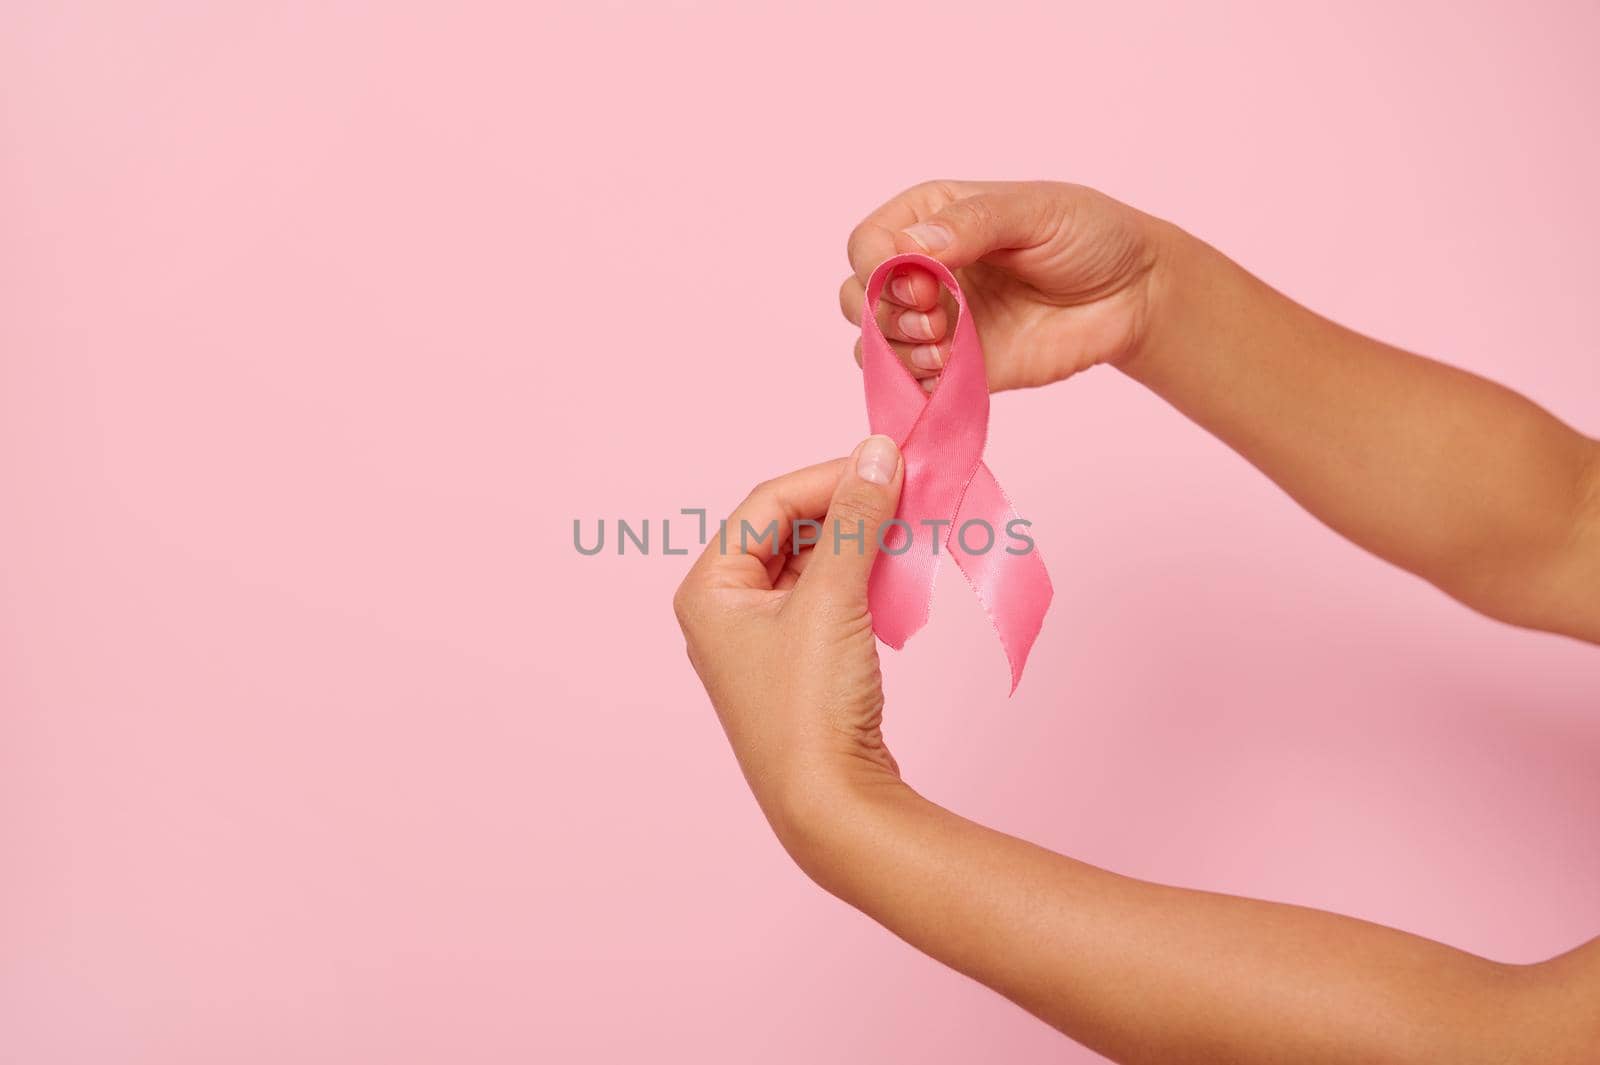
column 783, row 641
column 1059, row 277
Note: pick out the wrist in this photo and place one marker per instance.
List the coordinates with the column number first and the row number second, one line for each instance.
column 1177, row 268
column 822, row 817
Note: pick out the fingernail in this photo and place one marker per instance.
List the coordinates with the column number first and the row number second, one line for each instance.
column 926, row 357
column 916, row 325
column 878, row 460
column 931, row 236
column 900, row 288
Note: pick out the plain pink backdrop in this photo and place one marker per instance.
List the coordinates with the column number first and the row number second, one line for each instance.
column 319, row 325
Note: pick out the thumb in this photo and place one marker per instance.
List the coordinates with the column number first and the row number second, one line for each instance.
column 848, row 544
column 966, row 230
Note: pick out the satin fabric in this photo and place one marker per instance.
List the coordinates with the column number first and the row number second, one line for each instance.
column 941, row 436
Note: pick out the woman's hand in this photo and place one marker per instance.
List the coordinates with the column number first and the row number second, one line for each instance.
column 1458, row 480
column 1137, row 971
column 1059, row 277
column 783, row 641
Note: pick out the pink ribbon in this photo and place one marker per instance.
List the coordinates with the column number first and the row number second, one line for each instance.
column 941, row 437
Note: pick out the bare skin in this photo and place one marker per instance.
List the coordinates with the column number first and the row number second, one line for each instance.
column 1454, row 478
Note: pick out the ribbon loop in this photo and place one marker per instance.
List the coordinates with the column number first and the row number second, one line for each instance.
column 948, row 490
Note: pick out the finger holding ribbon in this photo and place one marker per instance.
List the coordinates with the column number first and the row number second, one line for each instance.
column 780, row 634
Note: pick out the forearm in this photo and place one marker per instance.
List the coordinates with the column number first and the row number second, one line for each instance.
column 1146, row 973
column 1441, row 472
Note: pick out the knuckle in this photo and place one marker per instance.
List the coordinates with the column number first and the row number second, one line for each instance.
column 850, row 299
column 887, row 315
column 855, row 247
column 975, row 213
column 685, row 605
column 855, row 506
column 928, row 193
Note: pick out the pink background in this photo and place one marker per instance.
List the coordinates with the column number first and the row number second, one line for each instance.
column 318, row 327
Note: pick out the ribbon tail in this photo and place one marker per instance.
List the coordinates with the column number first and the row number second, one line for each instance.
column 1013, row 587
column 900, row 591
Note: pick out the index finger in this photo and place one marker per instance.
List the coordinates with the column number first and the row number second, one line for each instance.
column 737, row 553
column 872, row 241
